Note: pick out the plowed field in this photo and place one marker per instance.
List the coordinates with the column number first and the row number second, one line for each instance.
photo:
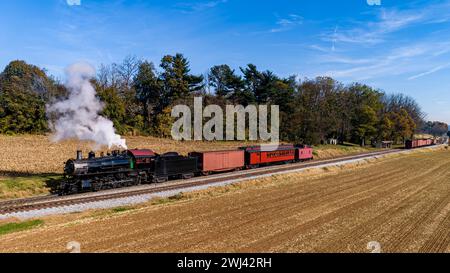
column 402, row 202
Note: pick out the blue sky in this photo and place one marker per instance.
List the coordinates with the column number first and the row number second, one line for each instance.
column 398, row 46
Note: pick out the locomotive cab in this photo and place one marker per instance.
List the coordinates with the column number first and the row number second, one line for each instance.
column 141, row 159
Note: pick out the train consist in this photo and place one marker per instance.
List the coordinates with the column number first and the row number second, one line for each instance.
column 135, row 167
column 417, row 143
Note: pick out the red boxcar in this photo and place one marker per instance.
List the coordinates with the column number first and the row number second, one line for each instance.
column 304, row 153
column 257, row 155
column 412, row 144
column 219, row 161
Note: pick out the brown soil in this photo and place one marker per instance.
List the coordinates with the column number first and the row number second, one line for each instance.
column 402, row 202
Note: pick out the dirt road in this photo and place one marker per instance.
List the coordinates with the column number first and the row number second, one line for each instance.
column 401, row 202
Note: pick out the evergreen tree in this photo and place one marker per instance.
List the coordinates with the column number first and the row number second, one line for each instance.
column 224, row 80
column 177, row 81
column 148, row 90
column 114, row 108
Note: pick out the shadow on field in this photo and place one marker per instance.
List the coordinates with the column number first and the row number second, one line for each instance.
column 53, row 184
column 51, row 181
column 4, row 173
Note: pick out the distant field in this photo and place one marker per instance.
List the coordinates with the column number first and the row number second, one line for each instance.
column 38, row 155
column 37, row 161
column 402, row 202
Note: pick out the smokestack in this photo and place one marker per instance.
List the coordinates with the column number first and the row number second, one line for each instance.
column 91, row 155
column 79, row 155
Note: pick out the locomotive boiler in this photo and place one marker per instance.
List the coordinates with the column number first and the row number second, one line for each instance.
column 106, row 172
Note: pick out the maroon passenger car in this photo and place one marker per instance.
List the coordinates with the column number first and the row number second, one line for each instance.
column 264, row 155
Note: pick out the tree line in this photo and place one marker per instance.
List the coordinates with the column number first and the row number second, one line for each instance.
column 139, row 96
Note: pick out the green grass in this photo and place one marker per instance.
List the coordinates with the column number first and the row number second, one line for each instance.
column 345, row 147
column 26, row 186
column 332, row 151
column 398, row 146
column 177, row 197
column 122, row 209
column 15, row 227
column 167, row 200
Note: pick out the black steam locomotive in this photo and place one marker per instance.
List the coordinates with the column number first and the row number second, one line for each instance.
column 124, row 169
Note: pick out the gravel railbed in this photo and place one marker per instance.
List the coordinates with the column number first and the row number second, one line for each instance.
column 137, row 199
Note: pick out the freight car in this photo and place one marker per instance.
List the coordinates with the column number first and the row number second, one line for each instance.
column 219, row 161
column 134, row 167
column 417, row 143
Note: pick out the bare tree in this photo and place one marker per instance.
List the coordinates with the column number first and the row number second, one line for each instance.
column 128, row 69
column 397, row 102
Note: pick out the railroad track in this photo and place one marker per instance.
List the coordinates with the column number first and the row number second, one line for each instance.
column 54, row 201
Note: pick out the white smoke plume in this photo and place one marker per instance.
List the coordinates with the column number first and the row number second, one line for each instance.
column 78, row 115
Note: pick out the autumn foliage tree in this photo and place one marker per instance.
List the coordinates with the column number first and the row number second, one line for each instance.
column 138, row 97
column 24, row 91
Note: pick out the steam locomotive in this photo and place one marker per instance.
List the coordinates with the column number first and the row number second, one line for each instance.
column 123, row 169
column 135, row 167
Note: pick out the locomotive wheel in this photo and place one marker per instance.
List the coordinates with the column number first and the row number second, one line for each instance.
column 97, row 187
column 161, row 179
column 74, row 189
column 138, row 181
column 187, row 175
